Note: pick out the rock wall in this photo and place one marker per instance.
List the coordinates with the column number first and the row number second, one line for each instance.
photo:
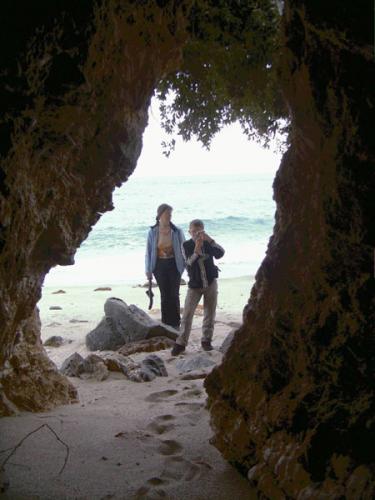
column 29, row 378
column 292, row 404
column 76, row 83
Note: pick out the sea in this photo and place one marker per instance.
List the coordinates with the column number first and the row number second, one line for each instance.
column 237, row 210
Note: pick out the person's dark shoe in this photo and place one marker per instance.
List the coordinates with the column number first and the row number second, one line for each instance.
column 206, row 345
column 177, row 349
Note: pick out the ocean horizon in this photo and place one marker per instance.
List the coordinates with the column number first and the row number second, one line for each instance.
column 238, row 212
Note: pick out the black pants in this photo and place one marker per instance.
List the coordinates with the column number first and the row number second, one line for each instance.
column 168, row 278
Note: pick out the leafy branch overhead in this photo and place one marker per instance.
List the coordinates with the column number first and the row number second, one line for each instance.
column 229, row 73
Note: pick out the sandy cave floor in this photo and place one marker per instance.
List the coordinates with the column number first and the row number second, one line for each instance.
column 126, row 440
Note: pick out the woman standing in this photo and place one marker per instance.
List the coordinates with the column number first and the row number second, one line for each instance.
column 164, row 259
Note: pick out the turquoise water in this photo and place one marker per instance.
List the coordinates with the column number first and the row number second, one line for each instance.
column 237, row 211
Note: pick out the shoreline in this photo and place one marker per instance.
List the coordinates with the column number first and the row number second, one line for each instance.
column 84, row 303
column 79, row 309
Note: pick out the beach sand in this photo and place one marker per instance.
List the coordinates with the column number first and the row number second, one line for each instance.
column 126, row 440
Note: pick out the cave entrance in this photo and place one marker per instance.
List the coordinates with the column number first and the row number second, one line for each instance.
column 228, row 186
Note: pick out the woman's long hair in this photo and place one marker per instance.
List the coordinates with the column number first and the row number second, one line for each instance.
column 162, row 208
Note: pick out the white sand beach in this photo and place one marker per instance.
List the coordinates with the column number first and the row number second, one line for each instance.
column 125, row 439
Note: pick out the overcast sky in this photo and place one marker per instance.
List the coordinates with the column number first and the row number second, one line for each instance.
column 230, row 153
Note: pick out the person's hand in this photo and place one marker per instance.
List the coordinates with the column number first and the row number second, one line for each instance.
column 198, row 245
column 206, row 237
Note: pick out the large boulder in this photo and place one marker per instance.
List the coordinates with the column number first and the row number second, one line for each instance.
column 104, row 337
column 123, row 324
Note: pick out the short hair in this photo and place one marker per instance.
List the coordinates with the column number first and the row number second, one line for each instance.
column 197, row 223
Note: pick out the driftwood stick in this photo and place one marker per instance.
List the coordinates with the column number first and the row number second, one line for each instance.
column 15, row 448
column 8, row 449
column 64, row 444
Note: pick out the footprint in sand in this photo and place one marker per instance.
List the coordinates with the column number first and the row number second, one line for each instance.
column 156, row 481
column 167, row 417
column 169, row 447
column 191, row 393
column 161, row 424
column 156, row 397
column 148, row 493
column 192, row 411
column 179, row 469
column 176, row 469
column 190, row 406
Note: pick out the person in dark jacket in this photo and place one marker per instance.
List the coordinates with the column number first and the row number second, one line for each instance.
column 199, row 253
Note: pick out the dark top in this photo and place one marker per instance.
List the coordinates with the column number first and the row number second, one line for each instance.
column 201, row 268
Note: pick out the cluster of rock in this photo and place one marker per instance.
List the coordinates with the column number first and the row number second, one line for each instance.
column 98, row 367
column 126, row 330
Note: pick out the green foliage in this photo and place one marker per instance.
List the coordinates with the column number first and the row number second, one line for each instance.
column 228, row 74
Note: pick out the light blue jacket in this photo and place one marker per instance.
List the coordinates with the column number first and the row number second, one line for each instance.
column 152, row 248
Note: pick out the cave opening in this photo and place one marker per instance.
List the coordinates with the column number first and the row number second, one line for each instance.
column 163, row 412
column 73, row 157
column 228, row 186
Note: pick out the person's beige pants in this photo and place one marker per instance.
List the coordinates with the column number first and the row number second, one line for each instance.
column 193, row 297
